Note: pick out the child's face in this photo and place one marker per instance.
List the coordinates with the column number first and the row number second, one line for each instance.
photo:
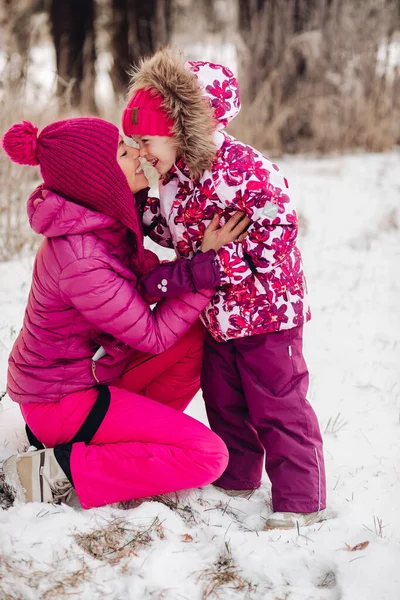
column 160, row 151
column 128, row 160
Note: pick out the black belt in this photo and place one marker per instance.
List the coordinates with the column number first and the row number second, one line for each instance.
column 90, row 425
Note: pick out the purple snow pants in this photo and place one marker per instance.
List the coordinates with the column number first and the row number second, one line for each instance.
column 255, row 393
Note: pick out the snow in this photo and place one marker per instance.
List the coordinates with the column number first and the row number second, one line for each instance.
column 388, row 58
column 169, row 548
column 41, row 76
column 210, row 50
column 103, row 89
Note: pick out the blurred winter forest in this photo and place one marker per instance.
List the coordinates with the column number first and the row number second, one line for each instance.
column 316, row 76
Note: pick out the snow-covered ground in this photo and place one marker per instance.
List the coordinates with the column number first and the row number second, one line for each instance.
column 202, row 544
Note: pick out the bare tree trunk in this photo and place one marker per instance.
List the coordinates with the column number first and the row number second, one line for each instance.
column 266, row 28
column 120, row 46
column 17, row 27
column 263, row 29
column 139, row 28
column 304, row 15
column 72, row 27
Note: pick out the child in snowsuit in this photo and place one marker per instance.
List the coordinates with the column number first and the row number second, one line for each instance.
column 254, row 376
column 102, row 380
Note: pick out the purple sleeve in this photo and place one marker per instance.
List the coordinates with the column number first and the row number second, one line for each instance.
column 171, row 279
column 113, row 304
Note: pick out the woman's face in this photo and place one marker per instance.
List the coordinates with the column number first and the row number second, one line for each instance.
column 128, row 160
column 158, row 150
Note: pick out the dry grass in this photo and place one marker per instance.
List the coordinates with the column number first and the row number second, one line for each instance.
column 181, row 506
column 327, row 581
column 69, row 581
column 334, row 425
column 69, row 570
column 378, row 527
column 224, row 575
column 15, row 235
column 236, row 515
column 17, row 103
column 53, row 583
column 6, row 497
column 328, row 86
column 16, row 181
column 118, row 540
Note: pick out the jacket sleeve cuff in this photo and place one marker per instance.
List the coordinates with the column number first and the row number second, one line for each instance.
column 205, row 270
column 172, row 279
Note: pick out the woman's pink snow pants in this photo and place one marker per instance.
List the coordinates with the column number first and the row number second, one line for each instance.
column 145, row 445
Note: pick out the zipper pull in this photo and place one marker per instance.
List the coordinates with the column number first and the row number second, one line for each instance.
column 94, row 371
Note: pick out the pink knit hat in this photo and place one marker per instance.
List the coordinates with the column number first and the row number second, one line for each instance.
column 146, row 115
column 78, row 160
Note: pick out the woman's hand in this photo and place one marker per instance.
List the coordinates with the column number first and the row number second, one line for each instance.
column 234, row 229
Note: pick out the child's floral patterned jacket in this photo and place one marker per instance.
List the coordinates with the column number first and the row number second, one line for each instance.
column 263, row 287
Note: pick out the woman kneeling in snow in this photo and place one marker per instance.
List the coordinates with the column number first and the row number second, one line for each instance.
column 113, row 426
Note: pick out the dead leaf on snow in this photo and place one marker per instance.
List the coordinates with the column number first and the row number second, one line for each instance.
column 360, row 546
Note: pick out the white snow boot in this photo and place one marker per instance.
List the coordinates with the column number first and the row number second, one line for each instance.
column 37, row 477
column 235, row 493
column 290, row 520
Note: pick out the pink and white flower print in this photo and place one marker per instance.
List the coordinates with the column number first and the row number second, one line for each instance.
column 221, row 89
column 263, row 287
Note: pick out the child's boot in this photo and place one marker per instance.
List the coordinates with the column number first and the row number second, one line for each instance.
column 236, row 493
column 290, row 520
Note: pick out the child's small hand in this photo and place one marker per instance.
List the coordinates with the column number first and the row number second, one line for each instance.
column 234, row 229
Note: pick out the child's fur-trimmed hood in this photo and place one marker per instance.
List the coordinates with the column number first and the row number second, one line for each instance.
column 185, row 87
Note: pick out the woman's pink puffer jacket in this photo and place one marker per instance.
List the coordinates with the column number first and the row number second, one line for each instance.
column 84, row 295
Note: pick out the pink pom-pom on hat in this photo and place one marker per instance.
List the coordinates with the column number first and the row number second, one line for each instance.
column 20, row 143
